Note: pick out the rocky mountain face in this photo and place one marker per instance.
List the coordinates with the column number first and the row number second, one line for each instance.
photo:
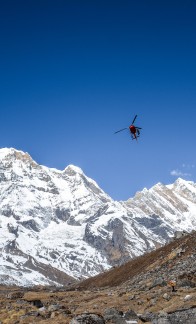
column 59, row 226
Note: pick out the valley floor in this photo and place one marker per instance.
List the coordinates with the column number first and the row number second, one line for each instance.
column 18, row 306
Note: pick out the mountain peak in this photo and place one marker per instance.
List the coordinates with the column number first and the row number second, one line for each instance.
column 73, row 169
column 8, row 151
column 180, row 180
column 12, row 153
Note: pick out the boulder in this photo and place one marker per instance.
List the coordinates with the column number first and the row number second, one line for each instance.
column 88, row 319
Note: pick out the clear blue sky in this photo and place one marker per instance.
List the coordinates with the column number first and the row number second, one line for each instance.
column 74, row 72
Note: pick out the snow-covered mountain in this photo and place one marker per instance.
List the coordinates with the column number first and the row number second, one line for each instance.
column 59, row 225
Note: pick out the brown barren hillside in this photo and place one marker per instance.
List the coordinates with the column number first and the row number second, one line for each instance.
column 136, row 292
column 166, row 256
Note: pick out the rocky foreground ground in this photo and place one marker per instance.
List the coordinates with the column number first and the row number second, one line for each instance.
column 136, row 292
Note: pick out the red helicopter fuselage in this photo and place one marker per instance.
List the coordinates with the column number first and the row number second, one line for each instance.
column 132, row 129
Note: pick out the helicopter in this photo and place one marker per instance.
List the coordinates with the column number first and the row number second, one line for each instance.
column 134, row 130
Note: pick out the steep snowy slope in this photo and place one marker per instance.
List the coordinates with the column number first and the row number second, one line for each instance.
column 60, row 222
column 165, row 208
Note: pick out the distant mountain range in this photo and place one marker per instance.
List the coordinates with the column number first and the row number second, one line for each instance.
column 59, row 226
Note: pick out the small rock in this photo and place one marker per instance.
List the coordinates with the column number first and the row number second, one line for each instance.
column 146, row 317
column 53, row 314
column 37, row 303
column 162, row 314
column 113, row 315
column 132, row 297
column 166, row 296
column 53, row 308
column 186, row 283
column 42, row 309
column 153, row 302
column 158, row 282
column 66, row 311
column 187, row 297
column 88, row 318
column 140, row 302
column 130, row 314
column 112, row 311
